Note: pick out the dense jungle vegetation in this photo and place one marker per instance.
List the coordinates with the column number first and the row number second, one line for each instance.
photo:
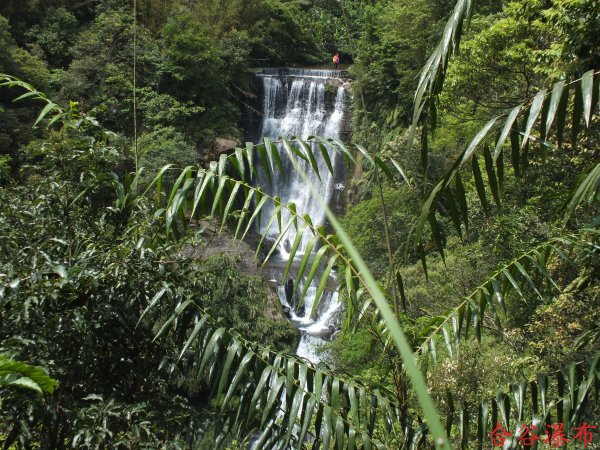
column 467, row 256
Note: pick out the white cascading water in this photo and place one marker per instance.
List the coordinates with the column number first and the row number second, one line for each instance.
column 295, row 105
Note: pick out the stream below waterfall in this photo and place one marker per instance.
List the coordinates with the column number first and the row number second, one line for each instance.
column 302, row 103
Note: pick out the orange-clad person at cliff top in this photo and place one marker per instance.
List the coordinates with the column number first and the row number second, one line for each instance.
column 336, row 60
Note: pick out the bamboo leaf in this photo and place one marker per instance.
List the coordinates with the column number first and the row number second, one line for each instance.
column 49, row 107
column 244, row 213
column 201, row 188
column 500, row 172
column 400, row 285
column 577, row 113
column 276, row 214
column 400, row 170
column 534, row 112
column 293, row 150
column 313, row 269
column 257, row 209
column 304, row 261
column 217, row 197
column 479, row 183
column 326, row 157
column 279, row 239
column 561, row 115
column 366, row 154
column 557, row 90
column 322, row 284
column 424, row 150
column 249, row 154
column 271, row 398
column 515, row 150
column 151, row 305
column 339, row 433
column 309, row 411
column 260, row 388
column 27, row 95
column 292, row 255
column 482, row 421
column 437, row 235
column 171, row 319
column 585, row 188
column 384, row 167
column 587, row 86
column 294, row 412
column 211, row 348
column 508, row 124
column 232, row 352
column 262, row 153
column 232, row 197
column 241, row 164
column 512, row 281
column 197, row 328
column 491, row 174
column 462, row 201
column 311, row 157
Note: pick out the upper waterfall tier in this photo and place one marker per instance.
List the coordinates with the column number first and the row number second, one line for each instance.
column 302, row 73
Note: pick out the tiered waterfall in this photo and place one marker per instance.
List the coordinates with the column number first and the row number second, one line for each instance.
column 302, row 103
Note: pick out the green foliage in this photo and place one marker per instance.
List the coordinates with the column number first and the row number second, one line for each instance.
column 575, row 48
column 18, row 374
column 165, row 110
column 95, row 286
column 100, row 73
column 465, row 266
column 555, row 329
column 546, row 110
column 364, row 225
column 55, row 35
column 513, row 231
column 18, row 61
column 195, row 71
column 389, row 54
column 4, row 168
column 505, row 213
column 71, row 301
column 163, row 146
column 353, row 352
column 497, row 64
column 241, row 302
column 16, row 120
column 481, row 371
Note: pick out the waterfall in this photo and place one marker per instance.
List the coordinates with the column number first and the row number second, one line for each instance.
column 302, row 103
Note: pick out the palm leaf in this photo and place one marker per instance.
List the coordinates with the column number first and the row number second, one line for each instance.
column 514, row 276
column 556, row 106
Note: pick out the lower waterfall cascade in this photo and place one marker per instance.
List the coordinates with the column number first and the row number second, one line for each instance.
column 302, row 103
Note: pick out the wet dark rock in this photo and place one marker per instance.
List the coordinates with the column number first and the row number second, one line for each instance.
column 289, row 291
column 300, row 308
column 287, row 246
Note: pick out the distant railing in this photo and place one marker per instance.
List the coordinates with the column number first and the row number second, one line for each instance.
column 301, row 73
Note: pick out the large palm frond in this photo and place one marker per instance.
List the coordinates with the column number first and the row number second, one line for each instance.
column 431, row 80
column 529, row 274
column 548, row 113
column 211, row 187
